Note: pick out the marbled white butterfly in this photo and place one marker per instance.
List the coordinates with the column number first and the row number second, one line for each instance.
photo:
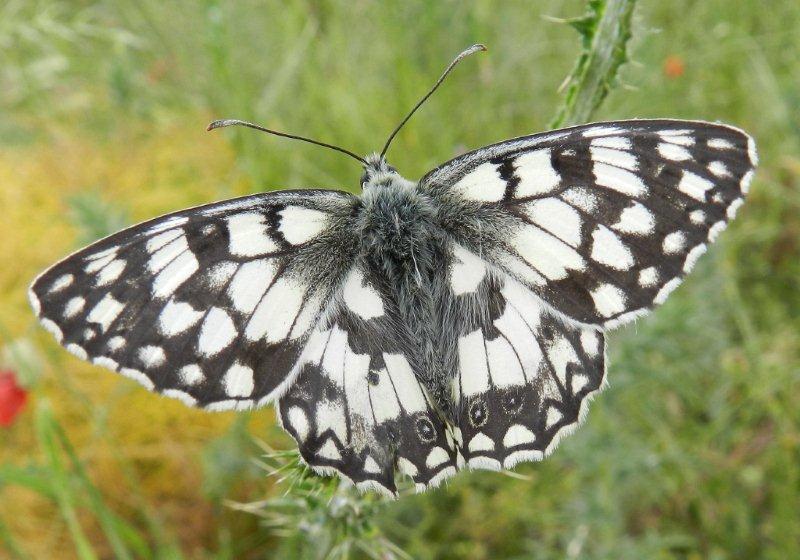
column 420, row 327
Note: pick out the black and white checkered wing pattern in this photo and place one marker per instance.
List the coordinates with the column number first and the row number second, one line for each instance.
column 211, row 305
column 358, row 408
column 600, row 221
column 524, row 375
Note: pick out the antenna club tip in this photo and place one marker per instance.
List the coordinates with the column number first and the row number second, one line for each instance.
column 215, row 124
column 477, row 47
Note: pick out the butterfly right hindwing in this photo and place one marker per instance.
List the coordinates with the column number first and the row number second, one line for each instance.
column 524, row 375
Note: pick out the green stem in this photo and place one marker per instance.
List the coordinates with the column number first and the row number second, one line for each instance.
column 605, row 32
column 60, row 483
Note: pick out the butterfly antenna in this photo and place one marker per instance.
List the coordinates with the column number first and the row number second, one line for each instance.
column 464, row 54
column 236, row 122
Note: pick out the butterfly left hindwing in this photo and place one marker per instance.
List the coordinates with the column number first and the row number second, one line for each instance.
column 358, row 407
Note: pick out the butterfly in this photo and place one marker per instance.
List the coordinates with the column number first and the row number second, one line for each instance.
column 418, row 328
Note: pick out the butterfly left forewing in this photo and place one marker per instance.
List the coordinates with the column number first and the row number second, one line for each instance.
column 210, row 305
column 601, row 221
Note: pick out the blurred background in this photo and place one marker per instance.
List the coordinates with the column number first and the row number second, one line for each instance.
column 693, row 450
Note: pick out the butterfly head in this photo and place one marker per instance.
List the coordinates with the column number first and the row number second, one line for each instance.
column 378, row 173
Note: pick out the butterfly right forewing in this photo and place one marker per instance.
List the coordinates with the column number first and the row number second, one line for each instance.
column 601, row 221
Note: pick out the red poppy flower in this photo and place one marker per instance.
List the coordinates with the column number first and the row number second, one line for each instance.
column 12, row 398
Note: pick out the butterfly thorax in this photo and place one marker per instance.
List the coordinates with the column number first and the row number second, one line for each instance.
column 403, row 245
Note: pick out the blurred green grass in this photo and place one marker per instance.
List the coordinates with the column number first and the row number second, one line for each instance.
column 693, row 451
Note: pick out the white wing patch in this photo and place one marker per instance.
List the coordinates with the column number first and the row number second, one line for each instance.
column 176, row 317
column 466, row 272
column 616, row 142
column 216, row 332
column 636, row 219
column 548, row 255
column 620, row 180
column 238, row 381
column 609, row 300
column 300, row 225
column 249, row 236
column 272, row 318
column 483, row 184
column 472, row 356
column 536, row 174
column 250, row 282
column 360, row 297
column 173, row 275
column 110, row 272
column 694, row 185
column 674, row 153
column 105, row 312
column 163, row 256
column 613, row 156
column 608, row 249
column 506, row 369
column 60, row 283
column 409, row 392
column 74, row 306
column 557, row 217
column 600, row 130
column 151, row 356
